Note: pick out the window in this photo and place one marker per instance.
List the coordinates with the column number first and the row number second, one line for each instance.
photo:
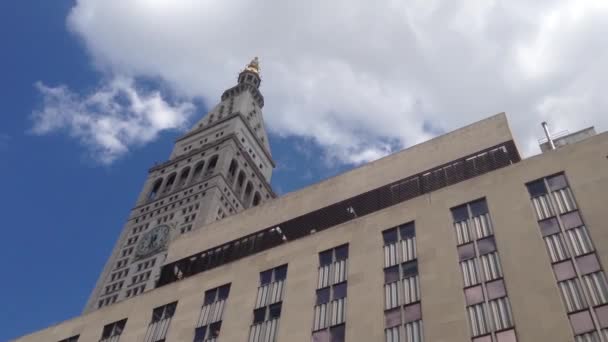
column 267, row 310
column 581, row 322
column 337, row 333
column 248, row 190
column 332, row 289
column 579, row 240
column 256, row 199
column 540, row 199
column 487, row 304
column 572, row 295
column 210, row 318
column 240, row 181
column 107, row 301
column 155, row 189
column 582, row 288
column 571, row 220
column 198, row 169
column 232, row 169
column 183, row 178
column 602, row 315
column 112, row 331
column 402, row 315
column 597, row 286
column 399, row 244
column 556, row 247
column 169, row 184
column 211, row 166
column 160, row 322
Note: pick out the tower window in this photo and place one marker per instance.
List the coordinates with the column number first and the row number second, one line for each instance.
column 211, row 166
column 155, row 189
column 240, row 180
column 256, row 199
column 248, row 190
column 184, row 177
column 170, row 182
column 232, row 168
column 198, row 169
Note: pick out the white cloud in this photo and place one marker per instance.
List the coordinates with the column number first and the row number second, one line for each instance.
column 110, row 120
column 352, row 75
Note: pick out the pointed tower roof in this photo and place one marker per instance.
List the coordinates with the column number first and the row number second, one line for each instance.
column 249, row 104
column 253, row 66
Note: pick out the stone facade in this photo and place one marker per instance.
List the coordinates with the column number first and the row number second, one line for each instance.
column 536, row 309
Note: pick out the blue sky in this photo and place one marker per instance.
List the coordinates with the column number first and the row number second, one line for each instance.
column 62, row 211
column 345, row 82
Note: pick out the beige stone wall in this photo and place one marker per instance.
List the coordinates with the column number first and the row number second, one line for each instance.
column 537, row 309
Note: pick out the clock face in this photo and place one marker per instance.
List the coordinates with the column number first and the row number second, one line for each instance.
column 153, row 240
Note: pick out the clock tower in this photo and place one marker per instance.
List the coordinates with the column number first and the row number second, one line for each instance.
column 220, row 167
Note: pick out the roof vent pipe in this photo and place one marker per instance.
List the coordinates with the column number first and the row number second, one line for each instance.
column 546, row 129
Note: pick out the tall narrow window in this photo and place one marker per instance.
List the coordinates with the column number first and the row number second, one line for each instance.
column 256, row 199
column 159, row 325
column 240, row 181
column 198, row 169
column 232, row 170
column 330, row 306
column 487, row 304
column 210, row 319
column 211, row 166
column 579, row 275
column 402, row 311
column 112, row 331
column 248, row 190
column 183, row 178
column 155, row 189
column 268, row 303
column 170, row 181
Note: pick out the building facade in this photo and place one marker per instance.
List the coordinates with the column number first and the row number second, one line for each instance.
column 456, row 239
column 220, row 167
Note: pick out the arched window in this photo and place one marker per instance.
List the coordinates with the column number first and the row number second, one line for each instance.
column 248, row 191
column 184, row 177
column 170, row 182
column 240, row 181
column 155, row 188
column 211, row 165
column 232, row 169
column 256, row 198
column 198, row 169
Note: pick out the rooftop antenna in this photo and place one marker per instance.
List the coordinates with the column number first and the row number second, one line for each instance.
column 546, row 129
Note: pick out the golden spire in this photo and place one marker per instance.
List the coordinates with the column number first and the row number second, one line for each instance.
column 254, row 66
